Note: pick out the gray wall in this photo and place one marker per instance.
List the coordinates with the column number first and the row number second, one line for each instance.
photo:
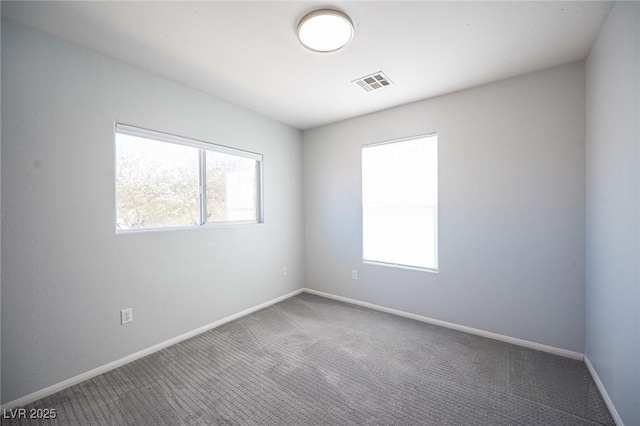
column 65, row 273
column 613, row 209
column 512, row 194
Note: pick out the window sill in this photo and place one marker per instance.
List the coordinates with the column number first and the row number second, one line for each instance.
column 396, row 266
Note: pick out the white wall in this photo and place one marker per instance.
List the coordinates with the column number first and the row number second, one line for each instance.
column 65, row 273
column 512, row 194
column 613, row 209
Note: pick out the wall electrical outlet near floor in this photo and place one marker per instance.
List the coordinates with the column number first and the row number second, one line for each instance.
column 126, row 316
column 354, row 275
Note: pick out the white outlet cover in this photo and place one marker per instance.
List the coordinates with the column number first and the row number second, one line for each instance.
column 126, row 316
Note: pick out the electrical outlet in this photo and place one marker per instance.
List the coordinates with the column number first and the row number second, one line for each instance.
column 284, row 271
column 354, row 275
column 126, row 316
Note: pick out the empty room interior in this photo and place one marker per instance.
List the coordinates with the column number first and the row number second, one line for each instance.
column 298, row 213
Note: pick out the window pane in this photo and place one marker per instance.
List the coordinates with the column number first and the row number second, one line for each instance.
column 231, row 187
column 157, row 183
column 399, row 198
column 400, row 236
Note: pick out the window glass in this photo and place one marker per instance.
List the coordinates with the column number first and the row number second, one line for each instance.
column 157, row 184
column 165, row 181
column 400, row 203
column 231, row 188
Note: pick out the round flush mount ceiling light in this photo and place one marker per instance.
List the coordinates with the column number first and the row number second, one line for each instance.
column 325, row 30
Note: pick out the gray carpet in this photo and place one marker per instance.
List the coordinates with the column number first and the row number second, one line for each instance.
column 314, row 361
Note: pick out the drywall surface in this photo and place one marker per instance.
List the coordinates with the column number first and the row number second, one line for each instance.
column 511, row 208
column 613, row 209
column 65, row 272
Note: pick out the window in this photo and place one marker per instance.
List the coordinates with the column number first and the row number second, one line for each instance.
column 400, row 203
column 165, row 181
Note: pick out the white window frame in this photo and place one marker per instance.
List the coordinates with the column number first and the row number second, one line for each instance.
column 436, row 209
column 203, row 147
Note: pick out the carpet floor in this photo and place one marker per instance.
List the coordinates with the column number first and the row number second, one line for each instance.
column 313, row 361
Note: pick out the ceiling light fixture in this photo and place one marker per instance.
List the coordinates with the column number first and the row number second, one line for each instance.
column 325, row 30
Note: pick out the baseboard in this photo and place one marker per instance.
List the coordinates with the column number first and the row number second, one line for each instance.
column 27, row 399
column 603, row 392
column 495, row 336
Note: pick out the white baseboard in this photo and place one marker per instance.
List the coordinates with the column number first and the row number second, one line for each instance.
column 27, row 399
column 603, row 392
column 495, row 336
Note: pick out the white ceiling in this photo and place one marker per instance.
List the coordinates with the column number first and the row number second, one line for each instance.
column 248, row 53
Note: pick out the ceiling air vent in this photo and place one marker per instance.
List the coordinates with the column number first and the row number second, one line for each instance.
column 373, row 82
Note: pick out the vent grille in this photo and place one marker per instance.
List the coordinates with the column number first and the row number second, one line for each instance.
column 373, row 81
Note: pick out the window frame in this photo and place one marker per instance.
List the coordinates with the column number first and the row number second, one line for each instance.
column 436, row 209
column 202, row 147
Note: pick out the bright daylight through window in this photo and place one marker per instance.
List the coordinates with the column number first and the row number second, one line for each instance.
column 400, row 203
column 165, row 181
